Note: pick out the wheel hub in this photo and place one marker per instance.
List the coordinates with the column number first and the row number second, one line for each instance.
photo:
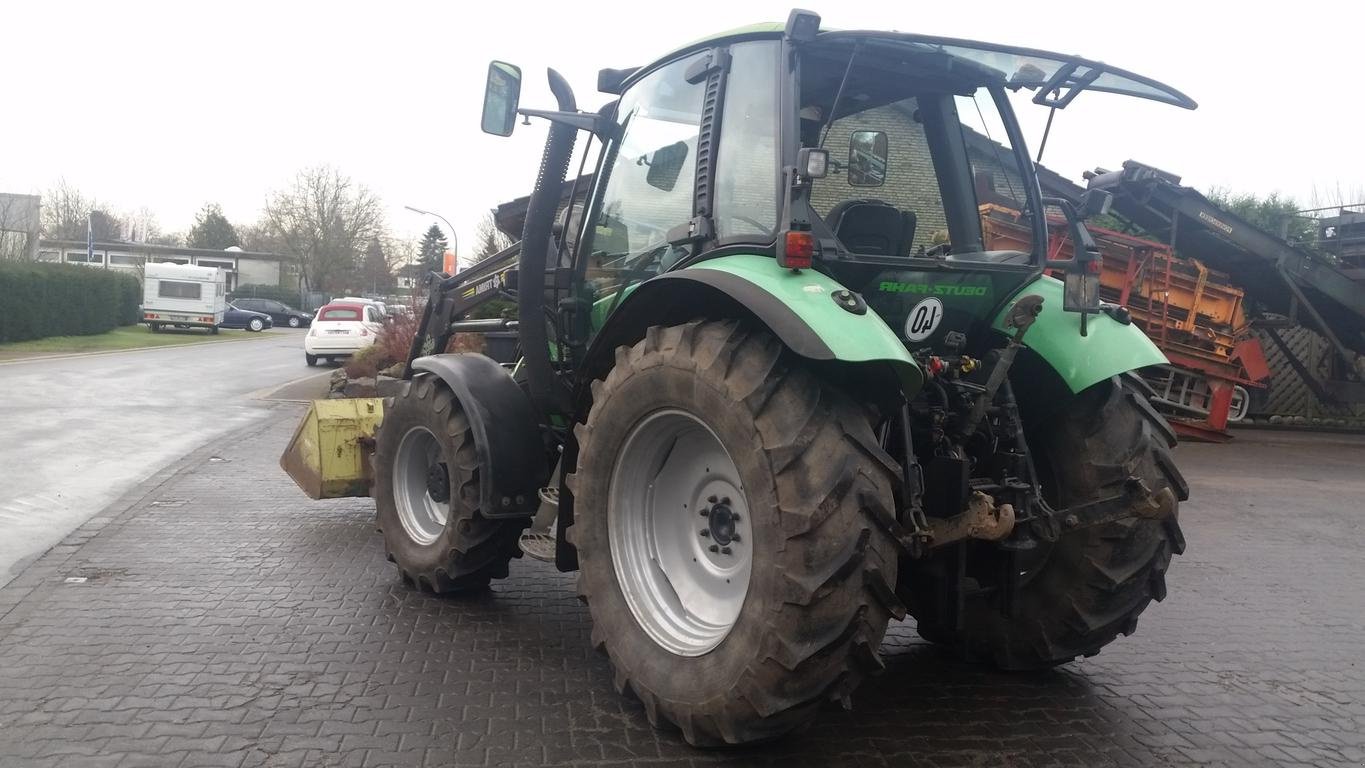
column 438, row 483
column 721, row 522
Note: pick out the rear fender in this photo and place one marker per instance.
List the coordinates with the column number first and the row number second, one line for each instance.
column 1109, row 347
column 800, row 308
column 505, row 428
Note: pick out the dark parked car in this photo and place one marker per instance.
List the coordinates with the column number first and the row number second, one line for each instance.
column 282, row 314
column 236, row 317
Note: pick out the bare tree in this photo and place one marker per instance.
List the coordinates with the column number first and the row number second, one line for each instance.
column 66, row 211
column 325, row 220
column 489, row 239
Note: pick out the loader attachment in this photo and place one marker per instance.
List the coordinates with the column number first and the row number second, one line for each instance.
column 329, row 456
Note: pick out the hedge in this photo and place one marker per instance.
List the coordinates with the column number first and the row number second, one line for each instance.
column 39, row 300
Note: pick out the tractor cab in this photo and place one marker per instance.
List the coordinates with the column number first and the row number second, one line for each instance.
column 869, row 156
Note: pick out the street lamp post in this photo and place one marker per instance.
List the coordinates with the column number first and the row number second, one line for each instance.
column 454, row 238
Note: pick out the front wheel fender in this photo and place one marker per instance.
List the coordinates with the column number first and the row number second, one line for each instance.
column 1109, row 347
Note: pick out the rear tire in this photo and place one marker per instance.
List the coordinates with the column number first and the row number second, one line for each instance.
column 465, row 550
column 312, row 359
column 213, row 330
column 1094, row 582
column 156, row 327
column 821, row 567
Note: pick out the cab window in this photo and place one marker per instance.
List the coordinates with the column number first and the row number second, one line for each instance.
column 646, row 181
column 920, row 161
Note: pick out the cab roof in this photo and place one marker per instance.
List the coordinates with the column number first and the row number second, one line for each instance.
column 1057, row 78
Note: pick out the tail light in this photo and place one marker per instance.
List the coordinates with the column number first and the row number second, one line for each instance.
column 364, row 331
column 798, row 249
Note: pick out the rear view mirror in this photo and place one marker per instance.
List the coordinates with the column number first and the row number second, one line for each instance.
column 867, row 159
column 501, row 96
column 665, row 166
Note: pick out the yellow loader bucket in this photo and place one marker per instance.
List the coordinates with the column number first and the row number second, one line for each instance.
column 329, row 456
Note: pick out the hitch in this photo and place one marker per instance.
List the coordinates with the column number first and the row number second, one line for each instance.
column 983, row 519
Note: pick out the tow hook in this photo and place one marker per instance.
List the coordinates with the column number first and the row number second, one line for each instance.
column 983, row 519
column 1149, row 505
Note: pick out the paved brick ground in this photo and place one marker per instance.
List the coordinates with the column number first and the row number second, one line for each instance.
column 226, row 621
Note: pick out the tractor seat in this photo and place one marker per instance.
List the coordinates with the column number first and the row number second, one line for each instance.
column 873, row 227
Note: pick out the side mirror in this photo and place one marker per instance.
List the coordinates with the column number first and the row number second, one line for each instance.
column 665, row 166
column 867, row 159
column 501, row 95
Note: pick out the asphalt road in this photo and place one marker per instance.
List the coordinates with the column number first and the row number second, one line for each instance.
column 81, row 430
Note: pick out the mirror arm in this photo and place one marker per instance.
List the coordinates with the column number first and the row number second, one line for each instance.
column 583, row 121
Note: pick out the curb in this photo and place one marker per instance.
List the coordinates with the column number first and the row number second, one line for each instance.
column 94, row 353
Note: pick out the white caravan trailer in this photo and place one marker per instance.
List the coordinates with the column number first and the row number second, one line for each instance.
column 183, row 296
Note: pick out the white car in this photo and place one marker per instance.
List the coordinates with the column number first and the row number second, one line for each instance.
column 341, row 329
column 383, row 309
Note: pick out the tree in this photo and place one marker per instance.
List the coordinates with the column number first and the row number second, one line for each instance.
column 490, row 239
column 374, row 270
column 1274, row 213
column 324, row 219
column 65, row 212
column 431, row 251
column 212, row 229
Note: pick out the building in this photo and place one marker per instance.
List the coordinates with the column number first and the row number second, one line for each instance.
column 242, row 267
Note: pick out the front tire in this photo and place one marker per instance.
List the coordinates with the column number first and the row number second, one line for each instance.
column 294, row 322
column 426, row 495
column 256, row 325
column 697, row 413
column 1089, row 586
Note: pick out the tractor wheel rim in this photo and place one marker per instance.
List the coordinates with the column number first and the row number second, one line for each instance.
column 422, row 516
column 680, row 532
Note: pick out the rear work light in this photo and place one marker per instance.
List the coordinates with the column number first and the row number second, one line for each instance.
column 796, row 249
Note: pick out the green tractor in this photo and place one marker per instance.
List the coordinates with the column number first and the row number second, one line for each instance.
column 775, row 386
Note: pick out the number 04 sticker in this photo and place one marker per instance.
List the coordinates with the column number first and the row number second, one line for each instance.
column 923, row 319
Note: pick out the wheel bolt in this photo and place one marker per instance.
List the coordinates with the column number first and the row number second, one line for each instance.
column 734, row 537
column 713, row 548
column 725, row 501
column 704, row 533
column 704, row 513
column 725, row 550
column 711, row 499
column 734, row 516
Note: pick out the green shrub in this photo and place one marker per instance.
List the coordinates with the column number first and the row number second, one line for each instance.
column 39, row 300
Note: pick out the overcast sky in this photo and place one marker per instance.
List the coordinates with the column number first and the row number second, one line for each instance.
column 171, row 105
